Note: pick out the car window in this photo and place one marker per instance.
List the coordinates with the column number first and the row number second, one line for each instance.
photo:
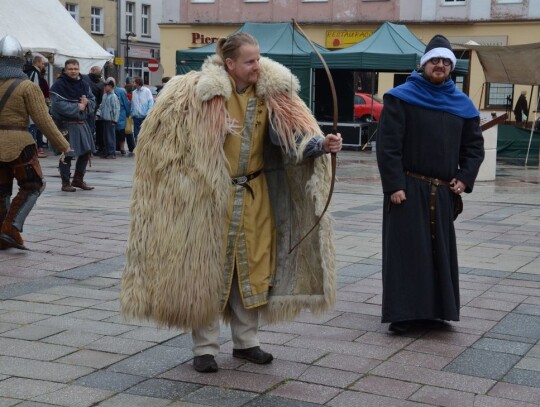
column 358, row 100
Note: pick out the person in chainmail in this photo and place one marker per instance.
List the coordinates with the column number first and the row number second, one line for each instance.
column 20, row 97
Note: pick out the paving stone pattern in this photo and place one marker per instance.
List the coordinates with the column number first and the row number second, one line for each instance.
column 63, row 342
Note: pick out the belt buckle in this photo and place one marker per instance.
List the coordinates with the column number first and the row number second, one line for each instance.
column 241, row 180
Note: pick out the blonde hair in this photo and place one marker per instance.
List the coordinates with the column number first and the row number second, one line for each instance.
column 228, row 47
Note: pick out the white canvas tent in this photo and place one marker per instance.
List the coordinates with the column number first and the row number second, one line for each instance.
column 45, row 27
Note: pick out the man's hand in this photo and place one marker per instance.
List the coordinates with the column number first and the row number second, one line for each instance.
column 332, row 143
column 398, row 197
column 457, row 186
column 83, row 103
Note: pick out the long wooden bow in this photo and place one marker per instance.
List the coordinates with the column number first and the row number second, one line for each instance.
column 334, row 131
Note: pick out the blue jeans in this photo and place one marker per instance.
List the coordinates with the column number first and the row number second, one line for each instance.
column 36, row 134
column 137, row 122
column 109, row 137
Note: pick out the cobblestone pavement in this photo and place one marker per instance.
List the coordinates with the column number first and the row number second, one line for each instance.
column 63, row 343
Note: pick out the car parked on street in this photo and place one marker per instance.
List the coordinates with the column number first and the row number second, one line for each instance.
column 363, row 110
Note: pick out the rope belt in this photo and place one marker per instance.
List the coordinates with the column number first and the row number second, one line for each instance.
column 16, row 128
column 243, row 181
column 435, row 183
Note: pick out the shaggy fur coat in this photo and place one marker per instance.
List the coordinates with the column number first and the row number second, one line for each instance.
column 181, row 187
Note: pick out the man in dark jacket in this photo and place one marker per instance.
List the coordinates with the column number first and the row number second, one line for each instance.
column 34, row 74
column 429, row 151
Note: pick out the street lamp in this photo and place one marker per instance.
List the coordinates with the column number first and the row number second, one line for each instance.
column 133, row 38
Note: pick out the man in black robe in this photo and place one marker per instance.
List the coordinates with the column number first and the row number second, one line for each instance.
column 520, row 110
column 429, row 151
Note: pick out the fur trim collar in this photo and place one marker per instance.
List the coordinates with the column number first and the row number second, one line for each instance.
column 274, row 79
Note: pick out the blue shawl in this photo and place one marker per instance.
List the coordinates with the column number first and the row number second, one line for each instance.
column 419, row 91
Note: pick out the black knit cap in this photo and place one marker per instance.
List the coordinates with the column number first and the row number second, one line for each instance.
column 439, row 47
column 438, row 41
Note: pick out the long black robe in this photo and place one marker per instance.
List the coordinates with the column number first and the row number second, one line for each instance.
column 420, row 275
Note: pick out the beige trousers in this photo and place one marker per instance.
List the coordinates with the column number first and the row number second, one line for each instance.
column 244, row 327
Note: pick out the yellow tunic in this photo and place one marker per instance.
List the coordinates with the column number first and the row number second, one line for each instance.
column 250, row 230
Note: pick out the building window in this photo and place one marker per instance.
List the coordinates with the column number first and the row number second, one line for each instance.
column 145, row 20
column 509, row 1
column 130, row 17
column 256, row 1
column 203, row 1
column 73, row 9
column 499, row 95
column 453, row 2
column 96, row 25
column 314, row 1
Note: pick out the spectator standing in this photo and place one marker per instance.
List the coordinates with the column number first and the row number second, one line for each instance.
column 72, row 103
column 35, row 75
column 108, row 112
column 141, row 103
column 18, row 153
column 429, row 151
column 164, row 80
column 94, row 79
column 125, row 112
column 521, row 107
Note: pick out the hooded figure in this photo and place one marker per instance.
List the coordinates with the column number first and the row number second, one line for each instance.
column 19, row 99
column 429, row 151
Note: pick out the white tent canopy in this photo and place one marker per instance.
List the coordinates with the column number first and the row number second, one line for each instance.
column 517, row 64
column 46, row 27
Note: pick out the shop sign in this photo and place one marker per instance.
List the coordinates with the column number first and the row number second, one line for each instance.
column 345, row 38
column 201, row 39
column 139, row 52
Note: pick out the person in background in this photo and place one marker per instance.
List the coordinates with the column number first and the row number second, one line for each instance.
column 141, row 103
column 212, row 159
column 520, row 110
column 108, row 112
column 72, row 103
column 164, row 80
column 125, row 112
column 39, row 62
column 429, row 151
column 20, row 97
column 94, row 79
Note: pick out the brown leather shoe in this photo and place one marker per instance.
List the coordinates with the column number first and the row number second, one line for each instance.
column 66, row 187
column 10, row 236
column 205, row 364
column 79, row 183
column 254, row 354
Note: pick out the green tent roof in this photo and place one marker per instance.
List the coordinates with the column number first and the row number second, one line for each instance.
column 278, row 41
column 392, row 48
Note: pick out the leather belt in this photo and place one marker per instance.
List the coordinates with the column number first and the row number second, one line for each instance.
column 435, row 183
column 243, row 181
column 16, row 128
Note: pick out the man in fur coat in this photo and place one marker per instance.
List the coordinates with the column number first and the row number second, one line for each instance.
column 230, row 171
